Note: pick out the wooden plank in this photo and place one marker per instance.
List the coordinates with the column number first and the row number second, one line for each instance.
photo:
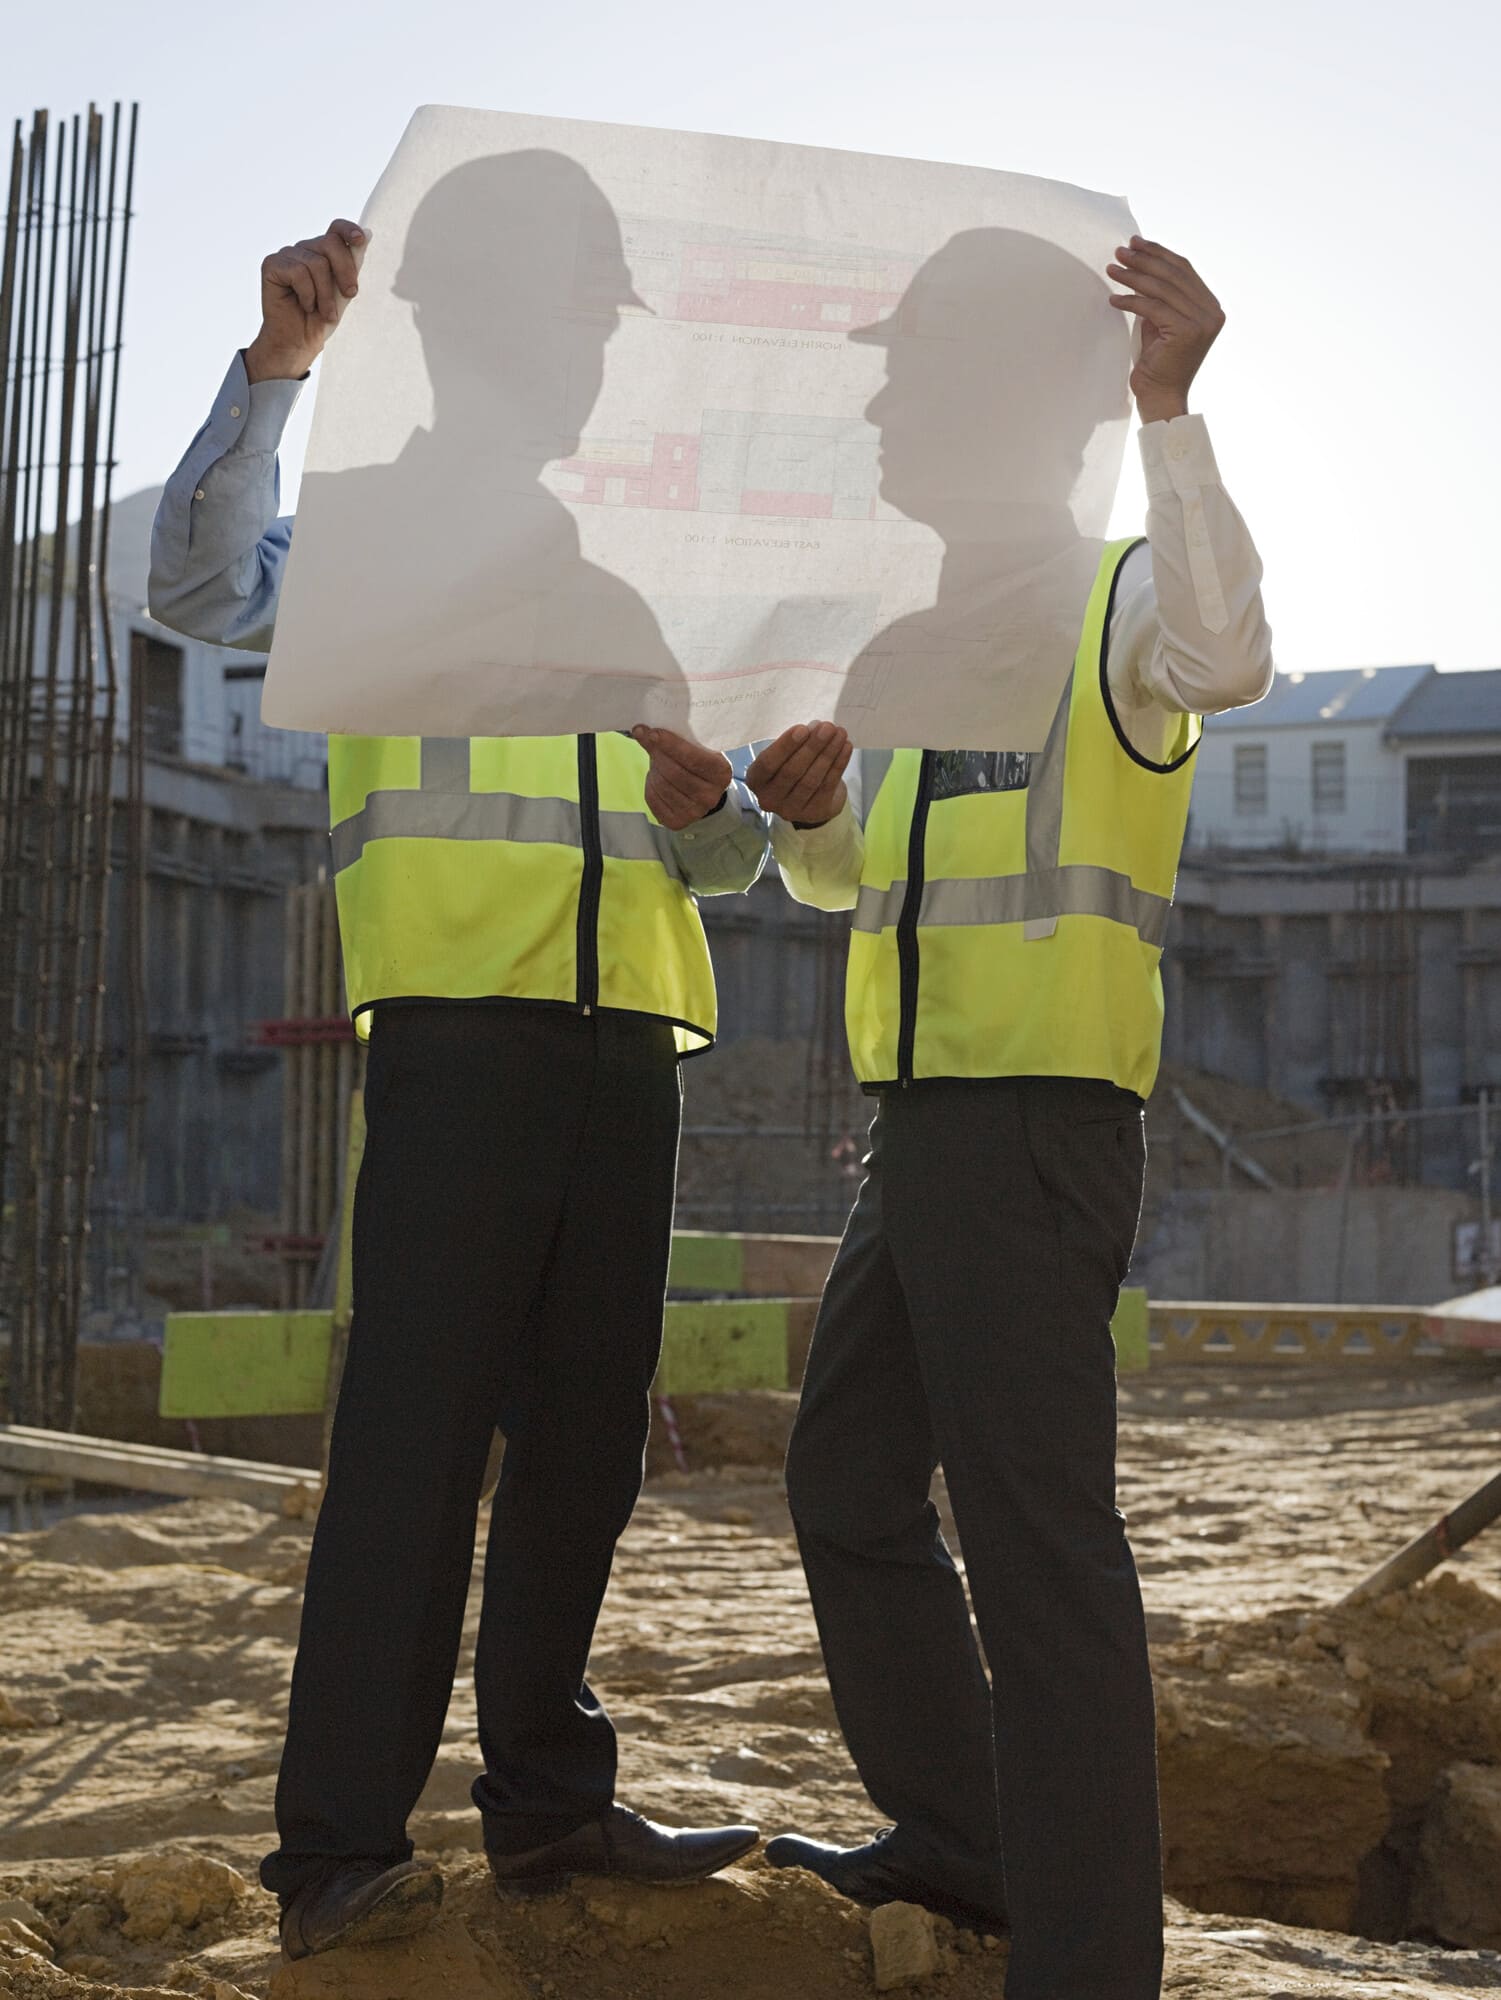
column 245, row 1364
column 150, row 1469
column 750, row 1265
column 787, row 1267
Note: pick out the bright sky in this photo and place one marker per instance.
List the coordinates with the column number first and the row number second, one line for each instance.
column 1333, row 169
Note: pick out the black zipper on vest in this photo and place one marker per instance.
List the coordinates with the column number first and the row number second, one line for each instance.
column 587, row 950
column 906, row 926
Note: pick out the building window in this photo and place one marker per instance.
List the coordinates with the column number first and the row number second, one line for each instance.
column 156, row 669
column 1328, row 779
column 1250, row 780
column 1454, row 805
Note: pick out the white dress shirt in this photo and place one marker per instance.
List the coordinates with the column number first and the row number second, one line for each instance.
column 1188, row 635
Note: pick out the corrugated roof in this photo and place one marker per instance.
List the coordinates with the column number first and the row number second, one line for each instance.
column 1451, row 705
column 1333, row 695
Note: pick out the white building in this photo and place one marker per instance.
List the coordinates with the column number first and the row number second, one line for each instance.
column 203, row 703
column 1369, row 760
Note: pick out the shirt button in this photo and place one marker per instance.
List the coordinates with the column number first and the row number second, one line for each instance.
column 1177, row 449
column 234, row 409
column 199, row 494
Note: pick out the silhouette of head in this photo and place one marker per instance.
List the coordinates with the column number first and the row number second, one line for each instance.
column 1002, row 358
column 515, row 268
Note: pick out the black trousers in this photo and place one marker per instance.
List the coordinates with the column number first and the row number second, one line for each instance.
column 967, row 1323
column 512, row 1227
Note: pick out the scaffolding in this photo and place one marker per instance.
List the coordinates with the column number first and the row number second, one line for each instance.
column 62, row 288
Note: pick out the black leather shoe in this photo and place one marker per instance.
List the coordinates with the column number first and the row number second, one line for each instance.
column 623, row 1843
column 870, row 1876
column 360, row 1902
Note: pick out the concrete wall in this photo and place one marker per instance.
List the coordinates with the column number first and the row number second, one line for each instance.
column 1245, row 1243
column 1264, row 986
column 220, row 854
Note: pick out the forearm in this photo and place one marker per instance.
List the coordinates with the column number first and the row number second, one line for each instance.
column 723, row 853
column 1196, row 640
column 218, row 550
column 821, row 865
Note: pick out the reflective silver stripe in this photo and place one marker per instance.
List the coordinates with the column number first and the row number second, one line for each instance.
column 1078, row 890
column 1045, row 791
column 878, row 909
column 631, row 836
column 443, row 815
column 445, row 763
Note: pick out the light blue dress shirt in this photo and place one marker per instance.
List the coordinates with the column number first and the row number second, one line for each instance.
column 219, row 551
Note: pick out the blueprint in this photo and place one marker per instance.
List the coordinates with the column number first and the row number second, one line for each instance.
column 718, row 434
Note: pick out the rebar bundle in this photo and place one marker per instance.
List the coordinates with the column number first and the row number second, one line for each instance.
column 62, row 286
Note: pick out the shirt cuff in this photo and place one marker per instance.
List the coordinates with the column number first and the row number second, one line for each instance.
column 1177, row 457
column 1179, row 463
column 258, row 411
column 812, row 839
column 727, row 818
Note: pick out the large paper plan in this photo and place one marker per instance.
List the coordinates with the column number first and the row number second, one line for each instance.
column 718, row 434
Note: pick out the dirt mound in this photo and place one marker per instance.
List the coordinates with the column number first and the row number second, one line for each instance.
column 1184, row 1156
column 753, row 1934
column 747, row 1429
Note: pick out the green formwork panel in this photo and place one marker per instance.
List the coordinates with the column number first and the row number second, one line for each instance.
column 1131, row 1327
column 717, row 1344
column 706, row 1263
column 245, row 1364
column 271, row 1364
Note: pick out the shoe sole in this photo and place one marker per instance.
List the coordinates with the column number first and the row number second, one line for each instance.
column 960, row 1915
column 406, row 1909
column 554, row 1885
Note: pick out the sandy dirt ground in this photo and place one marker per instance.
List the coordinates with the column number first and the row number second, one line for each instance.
column 1324, row 1772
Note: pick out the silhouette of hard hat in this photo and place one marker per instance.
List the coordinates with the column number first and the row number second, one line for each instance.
column 527, row 226
column 990, row 283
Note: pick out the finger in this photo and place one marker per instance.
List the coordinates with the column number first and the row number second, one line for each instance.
column 346, row 274
column 710, row 765
column 1144, row 246
column 1144, row 309
column 1173, row 270
column 671, row 806
column 689, row 766
column 801, row 759
column 820, row 782
column 704, row 792
column 290, row 274
column 769, row 763
column 1150, row 286
column 322, row 275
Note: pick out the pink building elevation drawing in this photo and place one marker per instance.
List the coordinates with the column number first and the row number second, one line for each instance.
column 812, row 290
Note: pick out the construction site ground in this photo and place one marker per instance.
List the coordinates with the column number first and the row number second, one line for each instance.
column 1331, row 1779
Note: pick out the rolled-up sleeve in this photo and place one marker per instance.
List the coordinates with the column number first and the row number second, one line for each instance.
column 723, row 854
column 821, row 865
column 218, row 547
column 1197, row 641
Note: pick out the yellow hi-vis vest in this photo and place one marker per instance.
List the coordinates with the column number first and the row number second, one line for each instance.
column 523, row 868
column 1018, row 932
